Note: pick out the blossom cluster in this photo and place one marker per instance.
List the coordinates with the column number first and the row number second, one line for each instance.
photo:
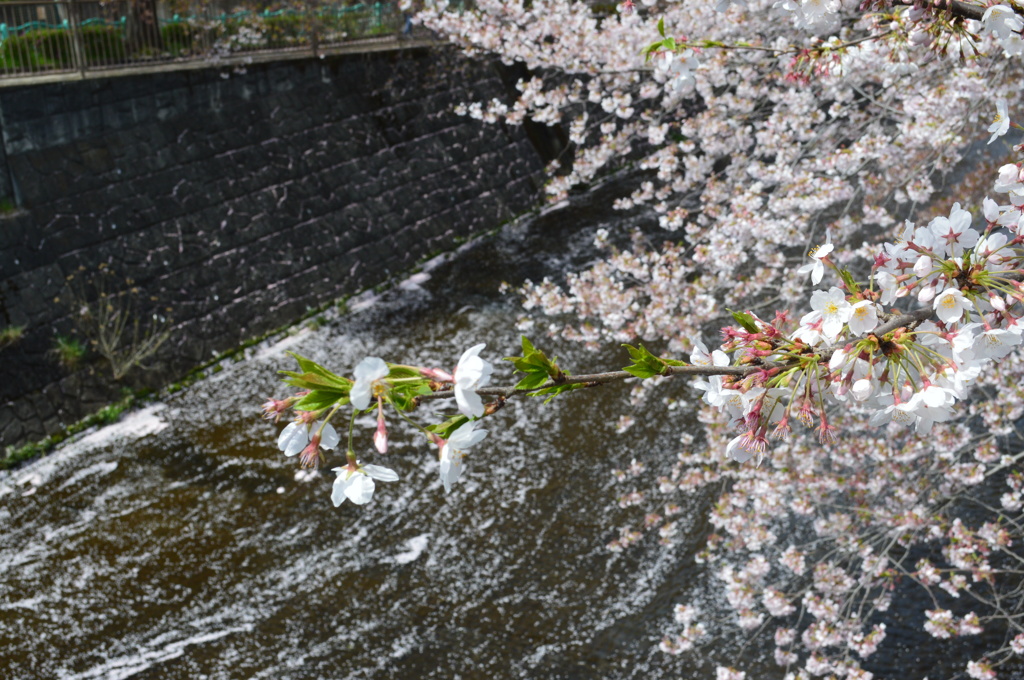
column 376, row 384
column 916, row 371
column 936, row 323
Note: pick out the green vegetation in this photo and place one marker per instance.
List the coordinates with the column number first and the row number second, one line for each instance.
column 10, row 335
column 179, row 38
column 109, row 414
column 38, row 46
column 69, row 351
column 51, row 48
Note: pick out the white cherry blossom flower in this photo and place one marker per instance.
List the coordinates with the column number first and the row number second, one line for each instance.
column 863, row 317
column 736, row 452
column 988, row 247
column 931, row 405
column 889, row 287
column 1010, row 180
column 810, row 328
column 995, row 343
column 701, row 357
column 1001, row 21
column 1017, row 645
column 923, row 267
column 370, row 373
column 471, row 373
column 950, row 304
column 816, row 268
column 293, row 438
column 297, row 435
column 454, row 450
column 954, row 232
column 835, row 311
column 677, row 69
column 357, row 485
column 1001, row 123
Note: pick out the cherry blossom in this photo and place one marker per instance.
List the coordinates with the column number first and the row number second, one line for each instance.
column 833, row 310
column 453, row 452
column 296, row 436
column 370, row 374
column 1001, row 124
column 471, row 373
column 356, row 482
column 816, row 268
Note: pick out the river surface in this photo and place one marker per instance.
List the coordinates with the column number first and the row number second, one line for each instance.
column 179, row 543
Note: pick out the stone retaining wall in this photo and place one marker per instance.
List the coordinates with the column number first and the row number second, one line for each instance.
column 238, row 198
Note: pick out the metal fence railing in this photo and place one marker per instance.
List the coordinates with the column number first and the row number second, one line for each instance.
column 87, row 35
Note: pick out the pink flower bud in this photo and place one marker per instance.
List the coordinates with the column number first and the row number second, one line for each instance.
column 437, row 374
column 311, row 456
column 380, row 437
column 273, row 408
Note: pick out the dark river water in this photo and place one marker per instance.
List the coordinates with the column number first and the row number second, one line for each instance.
column 179, row 543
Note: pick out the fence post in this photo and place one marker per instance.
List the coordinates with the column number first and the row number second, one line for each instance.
column 75, row 27
column 314, row 26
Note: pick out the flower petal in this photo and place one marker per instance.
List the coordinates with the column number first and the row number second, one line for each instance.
column 293, row 438
column 360, row 395
column 338, row 491
column 359, row 488
column 466, row 436
column 368, row 371
column 469, row 402
column 451, row 467
column 329, row 439
column 471, row 352
column 380, row 472
column 371, row 368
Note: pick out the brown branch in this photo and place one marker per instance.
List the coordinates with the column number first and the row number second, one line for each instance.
column 595, row 379
column 903, row 320
column 955, row 7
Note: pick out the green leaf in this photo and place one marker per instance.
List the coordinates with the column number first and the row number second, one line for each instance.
column 535, row 364
column 403, row 402
column 646, row 365
column 532, row 380
column 316, row 375
column 851, row 283
column 554, row 391
column 641, row 372
column 746, row 320
column 318, row 400
column 661, row 27
column 305, row 365
column 402, row 396
column 312, row 381
column 403, row 372
column 444, row 430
